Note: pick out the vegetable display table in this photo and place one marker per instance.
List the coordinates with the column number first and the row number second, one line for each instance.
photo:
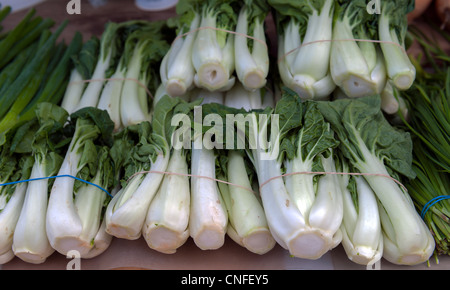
column 135, row 254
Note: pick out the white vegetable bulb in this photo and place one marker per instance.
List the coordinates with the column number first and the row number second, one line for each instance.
column 9, row 216
column 166, row 225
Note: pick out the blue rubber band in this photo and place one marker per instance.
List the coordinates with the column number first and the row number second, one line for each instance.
column 50, row 177
column 430, row 203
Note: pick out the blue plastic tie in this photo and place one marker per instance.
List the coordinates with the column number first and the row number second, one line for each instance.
column 50, row 177
column 430, row 203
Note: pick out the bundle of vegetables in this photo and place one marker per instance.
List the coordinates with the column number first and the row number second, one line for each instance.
column 14, row 166
column 303, row 212
column 429, row 122
column 48, row 145
column 304, row 31
column 126, row 60
column 324, row 45
column 381, row 152
column 205, row 56
column 150, row 151
column 75, row 213
column 208, row 220
column 247, row 224
column 34, row 69
column 217, row 43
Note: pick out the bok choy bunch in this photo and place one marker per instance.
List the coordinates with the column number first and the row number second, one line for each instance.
column 14, row 166
column 252, row 53
column 357, row 64
column 362, row 237
column 213, row 48
column 166, row 226
column 177, row 70
column 108, row 50
column 392, row 28
column 304, row 30
column 83, row 65
column 247, row 223
column 144, row 49
column 303, row 209
column 75, row 208
column 151, row 150
column 208, row 219
column 47, row 148
column 382, row 152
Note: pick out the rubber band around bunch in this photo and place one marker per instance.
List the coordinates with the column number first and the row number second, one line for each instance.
column 57, row 176
column 270, row 179
column 432, row 202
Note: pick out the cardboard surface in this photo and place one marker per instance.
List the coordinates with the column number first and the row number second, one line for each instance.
column 124, row 254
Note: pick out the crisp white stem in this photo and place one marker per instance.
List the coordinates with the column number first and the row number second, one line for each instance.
column 93, row 90
column 73, row 92
column 362, row 237
column 9, row 217
column 247, row 219
column 132, row 109
column 102, row 241
column 399, row 67
column 208, row 218
column 110, row 97
column 238, row 97
column 283, row 217
column 251, row 67
column 313, row 59
column 407, row 238
column 127, row 210
column 166, row 225
column 300, row 186
column 62, row 217
column 178, row 70
column 327, row 211
column 30, row 237
column 213, row 64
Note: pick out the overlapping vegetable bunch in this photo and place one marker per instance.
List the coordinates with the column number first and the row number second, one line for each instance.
column 133, row 136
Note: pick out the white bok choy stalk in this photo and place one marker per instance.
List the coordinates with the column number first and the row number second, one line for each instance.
column 247, row 224
column 144, row 166
column 143, row 52
column 83, row 68
column 392, row 27
column 166, row 226
column 213, row 48
column 12, row 168
column 374, row 147
column 303, row 211
column 177, row 70
column 362, row 238
column 240, row 98
column 74, row 213
column 30, row 242
column 304, row 47
column 250, row 46
column 108, row 51
column 357, row 65
column 110, row 97
column 208, row 215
